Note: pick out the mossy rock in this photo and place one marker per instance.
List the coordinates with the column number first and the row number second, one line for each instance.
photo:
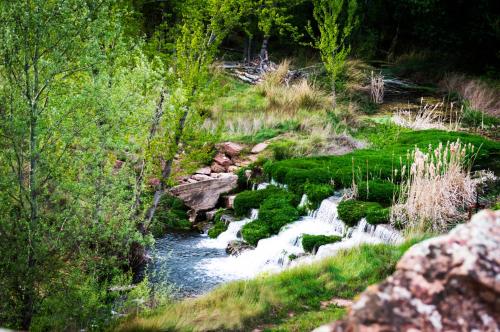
column 352, row 211
column 252, row 199
column 255, row 231
column 378, row 216
column 218, row 228
column 277, row 212
column 316, row 193
column 311, row 243
column 377, row 191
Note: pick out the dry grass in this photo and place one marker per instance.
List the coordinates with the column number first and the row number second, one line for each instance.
column 429, row 116
column 290, row 98
column 377, row 88
column 479, row 95
column 436, row 190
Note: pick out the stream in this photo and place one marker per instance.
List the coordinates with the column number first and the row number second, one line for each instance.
column 195, row 264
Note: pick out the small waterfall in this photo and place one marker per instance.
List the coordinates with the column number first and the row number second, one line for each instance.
column 262, row 185
column 230, row 234
column 327, row 212
column 303, row 201
column 382, row 232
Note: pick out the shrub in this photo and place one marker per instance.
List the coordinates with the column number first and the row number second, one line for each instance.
column 254, row 231
column 352, row 211
column 377, row 191
column 317, row 193
column 313, row 242
column 171, row 214
column 282, row 150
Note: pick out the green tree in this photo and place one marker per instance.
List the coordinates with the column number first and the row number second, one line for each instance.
column 336, row 20
column 74, row 93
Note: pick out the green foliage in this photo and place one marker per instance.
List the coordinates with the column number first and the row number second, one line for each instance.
column 219, row 225
column 377, row 191
column 352, row 211
column 336, row 20
column 171, row 214
column 317, row 193
column 310, row 243
column 282, row 149
column 248, row 304
column 477, row 119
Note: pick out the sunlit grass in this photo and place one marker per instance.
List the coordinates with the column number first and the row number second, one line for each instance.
column 243, row 305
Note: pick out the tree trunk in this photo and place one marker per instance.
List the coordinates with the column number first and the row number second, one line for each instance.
column 140, row 176
column 334, row 96
column 264, row 56
column 165, row 174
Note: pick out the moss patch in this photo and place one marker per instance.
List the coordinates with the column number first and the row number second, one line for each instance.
column 313, row 242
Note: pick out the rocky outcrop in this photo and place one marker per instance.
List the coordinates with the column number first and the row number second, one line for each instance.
column 204, row 195
column 235, row 248
column 448, row 283
column 259, row 147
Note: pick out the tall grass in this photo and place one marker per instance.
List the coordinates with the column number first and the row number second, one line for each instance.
column 437, row 188
column 479, row 95
column 244, row 305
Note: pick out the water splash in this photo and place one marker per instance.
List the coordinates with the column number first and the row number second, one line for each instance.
column 231, row 234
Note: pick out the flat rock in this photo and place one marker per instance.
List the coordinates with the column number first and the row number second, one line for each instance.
column 259, row 148
column 446, row 283
column 204, row 171
column 204, row 195
column 200, row 177
column 223, row 160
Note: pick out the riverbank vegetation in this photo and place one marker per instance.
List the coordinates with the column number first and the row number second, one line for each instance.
column 270, row 301
column 106, row 105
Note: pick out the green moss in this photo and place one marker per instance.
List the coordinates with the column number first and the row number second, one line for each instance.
column 378, row 216
column 313, row 242
column 277, row 212
column 317, row 193
column 390, row 143
column 254, row 231
column 377, row 191
column 352, row 211
column 171, row 214
column 219, row 225
column 252, row 199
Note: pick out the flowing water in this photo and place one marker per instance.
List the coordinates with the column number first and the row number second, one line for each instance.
column 197, row 263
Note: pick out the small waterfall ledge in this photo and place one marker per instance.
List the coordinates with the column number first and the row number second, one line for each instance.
column 273, row 254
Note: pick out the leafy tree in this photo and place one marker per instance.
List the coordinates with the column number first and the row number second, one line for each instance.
column 73, row 94
column 336, row 20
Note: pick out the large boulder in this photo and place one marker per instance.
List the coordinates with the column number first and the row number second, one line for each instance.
column 204, row 195
column 447, row 283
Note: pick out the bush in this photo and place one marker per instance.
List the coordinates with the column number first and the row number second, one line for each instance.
column 313, row 242
column 282, row 150
column 378, row 191
column 317, row 193
column 254, row 231
column 171, row 214
column 352, row 211
column 252, row 199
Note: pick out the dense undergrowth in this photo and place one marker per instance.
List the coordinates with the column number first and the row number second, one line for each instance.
column 270, row 300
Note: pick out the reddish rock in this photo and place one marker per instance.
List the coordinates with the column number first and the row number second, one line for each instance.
column 231, row 149
column 222, row 160
column 229, row 201
column 259, row 148
column 233, row 169
column 447, row 283
column 153, row 182
column 217, row 168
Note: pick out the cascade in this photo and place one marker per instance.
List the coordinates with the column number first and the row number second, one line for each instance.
column 230, row 234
